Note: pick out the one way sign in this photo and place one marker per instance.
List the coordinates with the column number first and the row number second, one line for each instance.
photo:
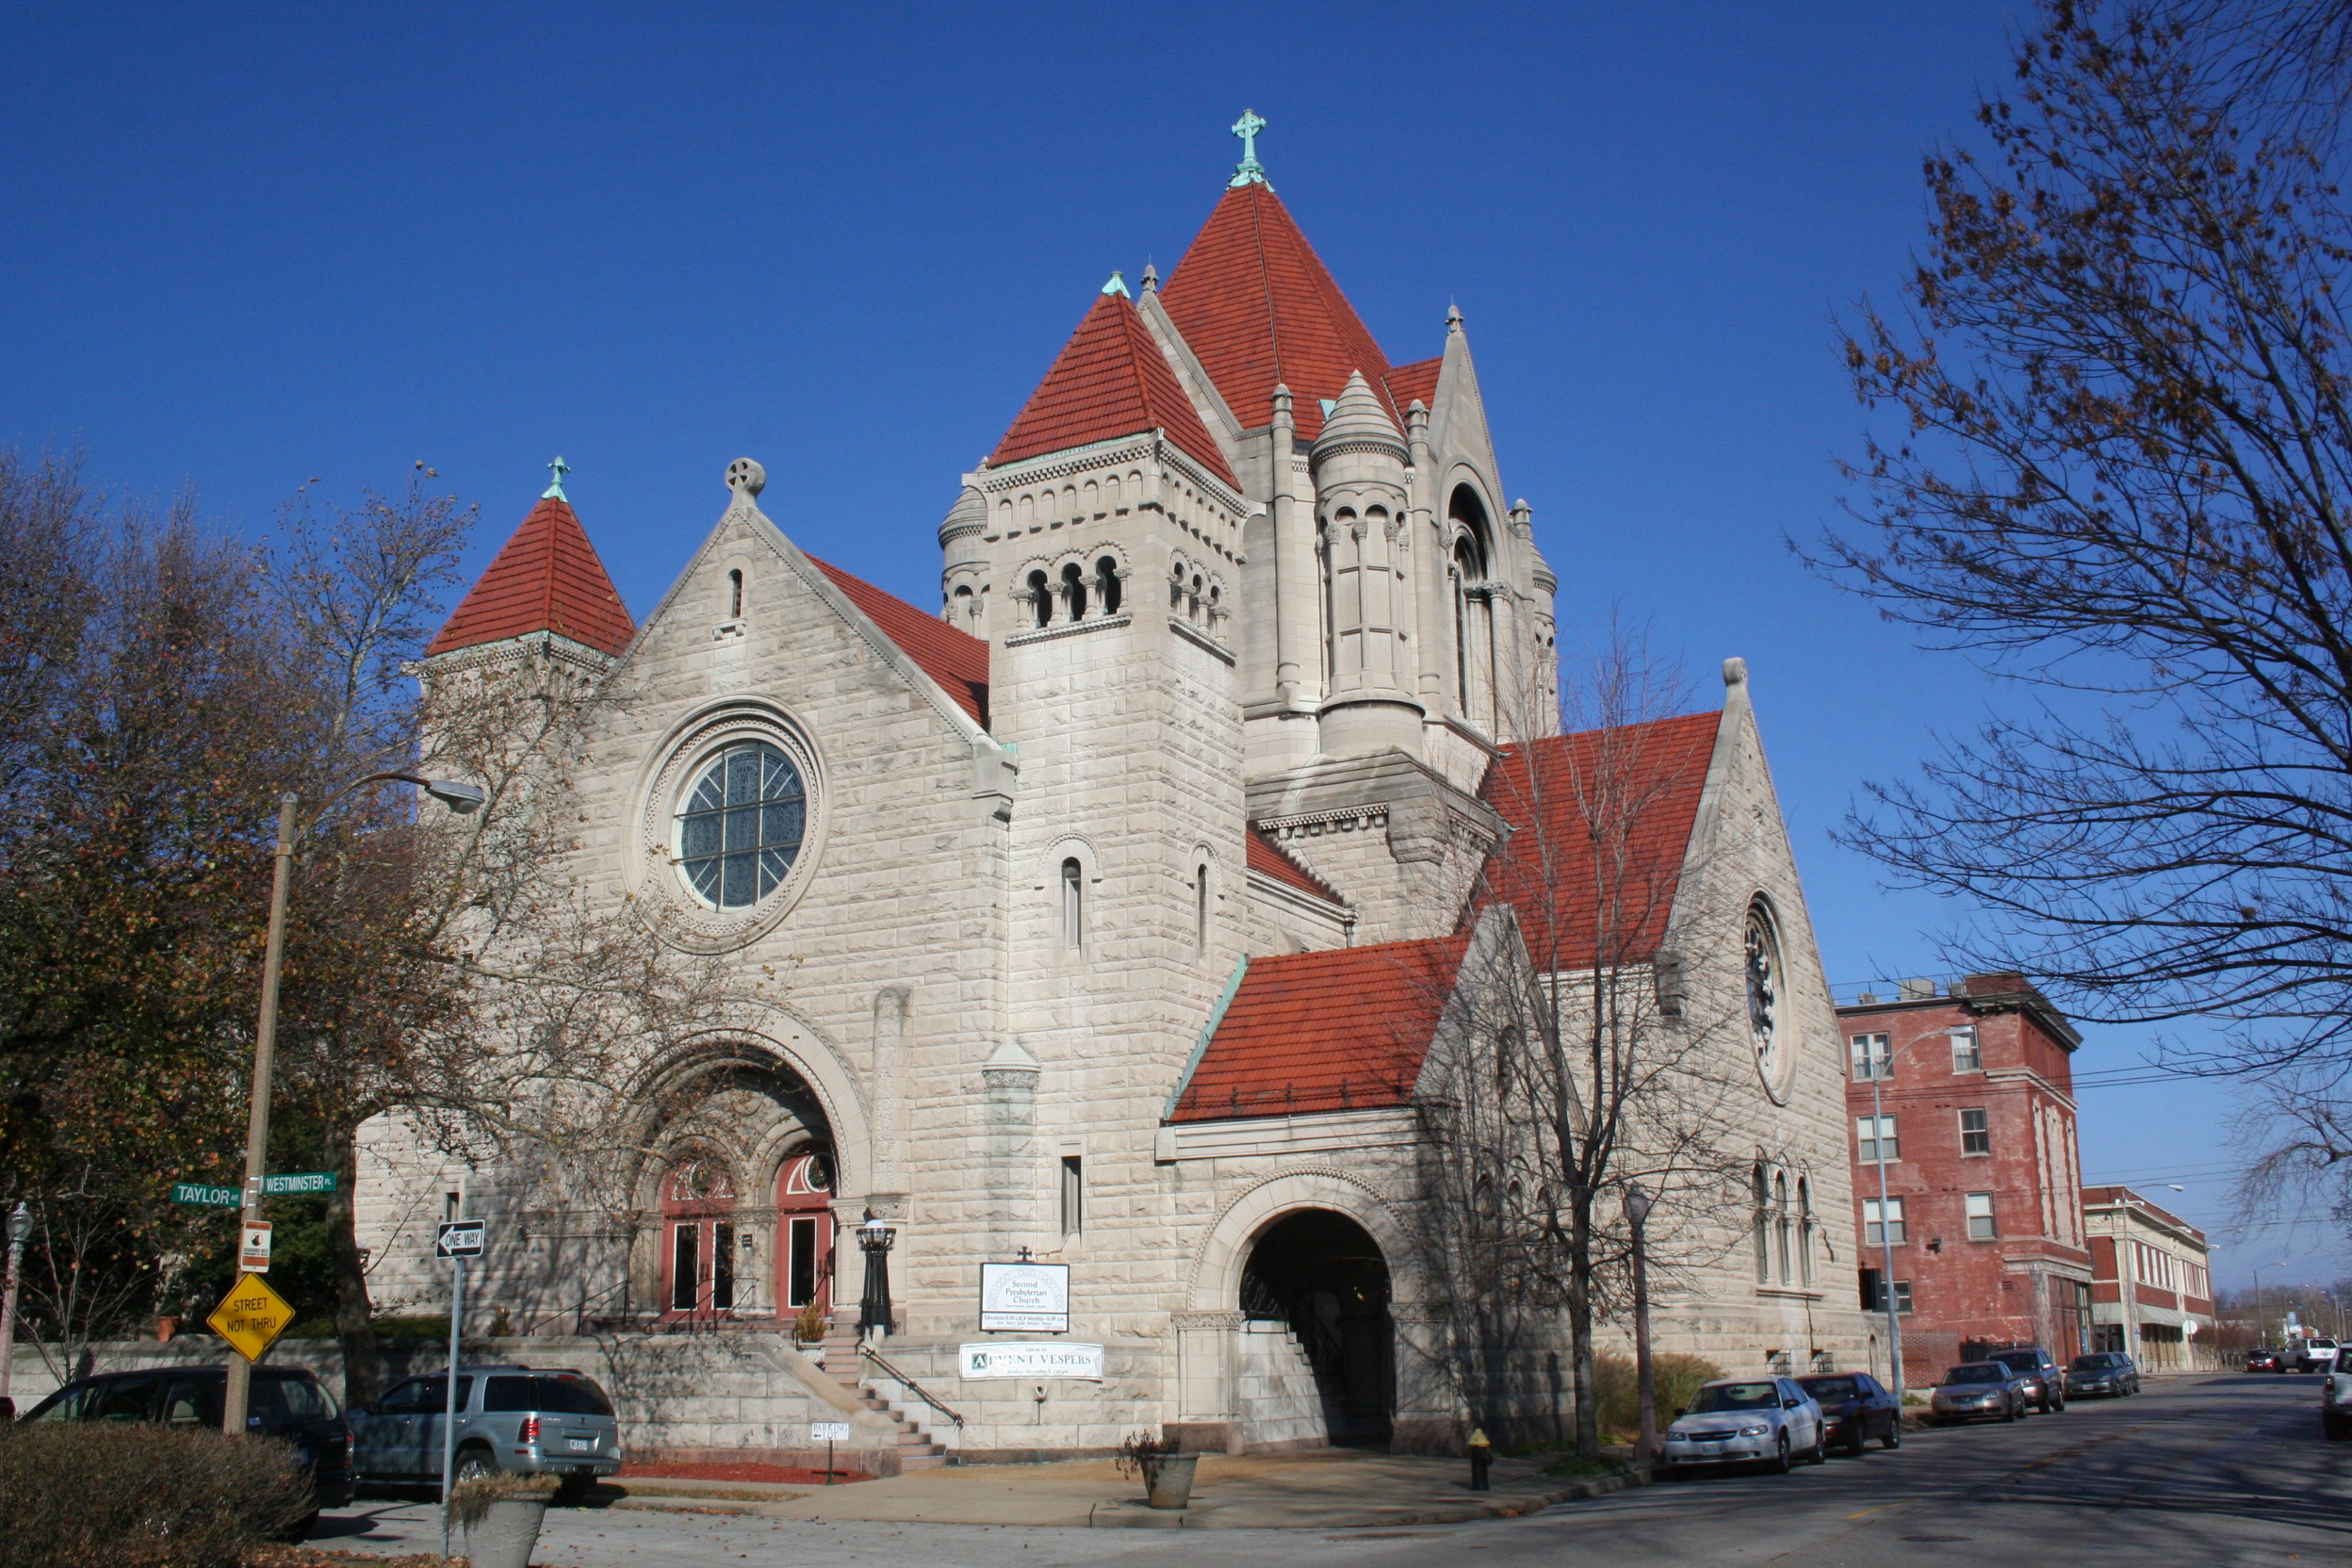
column 459, row 1238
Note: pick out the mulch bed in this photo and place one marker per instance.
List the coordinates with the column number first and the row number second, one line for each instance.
column 748, row 1470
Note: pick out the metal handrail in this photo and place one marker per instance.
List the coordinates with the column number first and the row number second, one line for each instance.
column 921, row 1393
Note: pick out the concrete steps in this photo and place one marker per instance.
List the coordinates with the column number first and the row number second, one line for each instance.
column 916, row 1450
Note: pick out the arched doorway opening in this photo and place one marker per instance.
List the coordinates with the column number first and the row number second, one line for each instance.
column 697, row 1238
column 1322, row 1274
column 803, row 1223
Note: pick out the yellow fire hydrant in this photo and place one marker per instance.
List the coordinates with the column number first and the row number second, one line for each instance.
column 1481, row 1456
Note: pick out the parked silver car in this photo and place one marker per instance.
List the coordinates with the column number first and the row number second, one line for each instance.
column 1980, row 1391
column 1747, row 1421
column 518, row 1418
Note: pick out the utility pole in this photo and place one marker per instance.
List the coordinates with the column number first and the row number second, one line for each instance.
column 265, row 1067
column 1644, row 1369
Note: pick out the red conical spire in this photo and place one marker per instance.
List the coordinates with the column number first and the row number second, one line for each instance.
column 546, row 579
column 1259, row 308
column 1110, row 380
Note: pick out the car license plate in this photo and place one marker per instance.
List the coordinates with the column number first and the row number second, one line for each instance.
column 583, row 1444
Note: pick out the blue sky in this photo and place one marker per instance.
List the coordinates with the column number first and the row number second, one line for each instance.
column 248, row 246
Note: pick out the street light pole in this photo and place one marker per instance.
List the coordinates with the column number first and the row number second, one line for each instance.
column 458, row 797
column 1645, row 1373
column 1880, row 1072
column 20, row 1227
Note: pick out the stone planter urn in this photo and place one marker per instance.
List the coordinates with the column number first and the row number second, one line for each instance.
column 505, row 1536
column 1168, row 1479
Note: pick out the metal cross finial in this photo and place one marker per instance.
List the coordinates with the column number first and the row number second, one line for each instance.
column 555, row 492
column 1249, row 170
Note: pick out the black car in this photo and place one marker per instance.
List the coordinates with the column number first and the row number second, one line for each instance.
column 2042, row 1370
column 1857, row 1408
column 283, row 1402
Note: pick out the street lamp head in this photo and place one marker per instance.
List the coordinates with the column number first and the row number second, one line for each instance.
column 20, row 1221
column 456, row 794
column 1637, row 1203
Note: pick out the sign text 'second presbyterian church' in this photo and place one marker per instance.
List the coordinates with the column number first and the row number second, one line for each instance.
column 1123, row 896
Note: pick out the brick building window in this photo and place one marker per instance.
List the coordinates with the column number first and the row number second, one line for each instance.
column 1877, row 1229
column 1967, row 1055
column 1874, row 1292
column 1877, row 1137
column 1981, row 1216
column 1871, row 1057
column 1976, row 1133
column 1074, row 906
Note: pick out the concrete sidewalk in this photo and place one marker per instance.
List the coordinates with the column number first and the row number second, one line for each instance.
column 1323, row 1490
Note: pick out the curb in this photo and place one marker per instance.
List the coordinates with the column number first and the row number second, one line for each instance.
column 1136, row 1516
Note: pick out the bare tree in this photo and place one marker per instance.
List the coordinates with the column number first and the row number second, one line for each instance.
column 1592, row 1041
column 2121, row 475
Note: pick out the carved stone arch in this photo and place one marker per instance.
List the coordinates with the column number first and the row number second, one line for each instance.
column 783, row 1042
column 1223, row 1253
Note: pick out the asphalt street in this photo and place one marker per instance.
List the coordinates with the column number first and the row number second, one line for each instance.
column 2228, row 1469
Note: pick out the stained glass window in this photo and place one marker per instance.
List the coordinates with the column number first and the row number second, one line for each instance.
column 739, row 826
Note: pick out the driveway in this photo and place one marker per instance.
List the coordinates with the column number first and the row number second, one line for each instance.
column 2224, row 1469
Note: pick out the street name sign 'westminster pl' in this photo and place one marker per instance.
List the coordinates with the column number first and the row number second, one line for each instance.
column 1024, row 1297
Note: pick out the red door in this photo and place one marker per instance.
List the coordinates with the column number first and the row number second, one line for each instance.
column 803, row 1227
column 697, row 1241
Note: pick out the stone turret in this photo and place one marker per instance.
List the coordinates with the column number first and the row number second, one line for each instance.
column 1361, row 508
column 963, row 578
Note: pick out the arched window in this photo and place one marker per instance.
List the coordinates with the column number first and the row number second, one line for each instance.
column 735, row 595
column 1201, row 909
column 1040, row 598
column 1506, row 1057
column 1760, row 1195
column 1804, row 1231
column 1107, row 584
column 1780, row 1223
column 1074, row 591
column 961, row 609
column 1196, row 597
column 739, row 827
column 1074, row 906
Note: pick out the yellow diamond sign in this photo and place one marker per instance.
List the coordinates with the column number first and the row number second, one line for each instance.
column 251, row 1318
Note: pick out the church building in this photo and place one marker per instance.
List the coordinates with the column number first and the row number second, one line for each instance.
column 1121, row 906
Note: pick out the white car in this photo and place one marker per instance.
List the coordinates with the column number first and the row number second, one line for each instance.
column 2335, row 1405
column 1769, row 1421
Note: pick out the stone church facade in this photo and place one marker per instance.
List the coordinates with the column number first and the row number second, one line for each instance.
column 1117, row 901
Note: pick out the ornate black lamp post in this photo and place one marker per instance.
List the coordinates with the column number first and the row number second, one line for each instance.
column 873, row 1308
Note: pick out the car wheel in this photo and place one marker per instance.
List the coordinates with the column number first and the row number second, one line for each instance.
column 475, row 1464
column 1779, row 1461
column 1894, row 1433
column 1820, row 1447
column 1861, row 1444
column 2011, row 1410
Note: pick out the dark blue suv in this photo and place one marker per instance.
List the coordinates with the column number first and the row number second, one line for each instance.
column 284, row 1402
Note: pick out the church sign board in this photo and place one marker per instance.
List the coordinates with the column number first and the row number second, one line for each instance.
column 1024, row 1297
column 1003, row 1359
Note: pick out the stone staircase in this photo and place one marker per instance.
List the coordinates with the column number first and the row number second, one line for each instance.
column 916, row 1450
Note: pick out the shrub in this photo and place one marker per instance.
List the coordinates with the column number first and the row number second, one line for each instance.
column 1617, row 1395
column 141, row 1496
column 470, row 1501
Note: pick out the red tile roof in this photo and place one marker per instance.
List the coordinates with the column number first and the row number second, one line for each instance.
column 545, row 578
column 1602, row 824
column 957, row 660
column 1110, row 380
column 1415, row 381
column 1344, row 1029
column 1271, row 859
column 1258, row 307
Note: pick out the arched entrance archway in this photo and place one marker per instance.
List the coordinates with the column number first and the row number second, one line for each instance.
column 1323, row 1275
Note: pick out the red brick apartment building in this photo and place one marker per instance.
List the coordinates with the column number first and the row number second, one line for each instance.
column 2162, row 1299
column 1983, row 1176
